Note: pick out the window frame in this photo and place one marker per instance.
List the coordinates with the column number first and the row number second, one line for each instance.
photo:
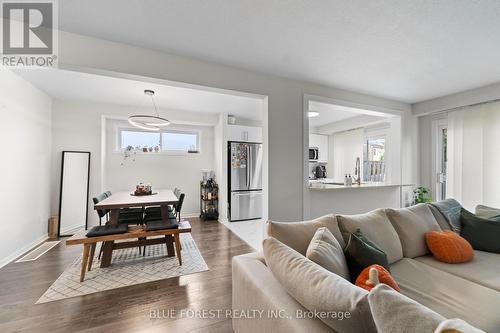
column 120, row 150
column 375, row 134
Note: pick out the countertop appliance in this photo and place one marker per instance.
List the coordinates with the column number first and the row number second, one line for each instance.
column 320, row 171
column 245, row 180
column 313, row 154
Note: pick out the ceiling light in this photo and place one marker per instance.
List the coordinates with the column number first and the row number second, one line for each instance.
column 147, row 122
column 312, row 114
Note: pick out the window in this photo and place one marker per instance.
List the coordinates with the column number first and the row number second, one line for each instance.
column 374, row 159
column 139, row 139
column 179, row 141
column 165, row 141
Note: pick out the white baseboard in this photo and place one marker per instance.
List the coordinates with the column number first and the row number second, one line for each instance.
column 24, row 249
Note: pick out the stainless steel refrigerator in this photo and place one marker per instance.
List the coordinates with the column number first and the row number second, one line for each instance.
column 245, row 180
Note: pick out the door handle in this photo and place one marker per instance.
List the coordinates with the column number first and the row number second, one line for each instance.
column 241, row 194
column 247, row 194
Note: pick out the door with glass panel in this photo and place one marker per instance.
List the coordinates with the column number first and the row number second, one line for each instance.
column 441, row 159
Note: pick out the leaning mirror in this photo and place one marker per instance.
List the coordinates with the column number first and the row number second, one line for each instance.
column 74, row 194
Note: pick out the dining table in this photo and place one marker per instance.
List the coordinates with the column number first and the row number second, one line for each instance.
column 127, row 199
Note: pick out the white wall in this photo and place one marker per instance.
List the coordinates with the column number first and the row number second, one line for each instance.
column 161, row 170
column 25, row 131
column 78, row 126
column 285, row 116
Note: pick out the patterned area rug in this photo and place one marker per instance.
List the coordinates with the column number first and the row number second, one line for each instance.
column 128, row 267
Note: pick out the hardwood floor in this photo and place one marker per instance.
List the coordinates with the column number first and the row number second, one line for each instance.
column 125, row 309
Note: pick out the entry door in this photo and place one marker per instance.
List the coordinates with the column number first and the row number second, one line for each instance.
column 441, row 149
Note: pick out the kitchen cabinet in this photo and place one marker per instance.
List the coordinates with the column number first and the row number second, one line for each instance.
column 244, row 133
column 321, row 142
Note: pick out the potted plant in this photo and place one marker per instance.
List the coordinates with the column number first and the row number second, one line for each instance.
column 128, row 152
column 421, row 195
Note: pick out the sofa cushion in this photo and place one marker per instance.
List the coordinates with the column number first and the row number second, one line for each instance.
column 298, row 235
column 482, row 234
column 447, row 246
column 318, row 289
column 440, row 219
column 487, row 212
column 447, row 294
column 396, row 313
column 360, row 253
column 450, row 208
column 375, row 226
column 483, row 270
column 412, row 224
column 326, row 251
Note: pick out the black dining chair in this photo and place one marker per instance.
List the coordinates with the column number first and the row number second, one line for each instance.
column 155, row 211
column 100, row 212
column 178, row 206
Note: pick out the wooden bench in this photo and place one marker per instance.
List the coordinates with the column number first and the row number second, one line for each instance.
column 171, row 237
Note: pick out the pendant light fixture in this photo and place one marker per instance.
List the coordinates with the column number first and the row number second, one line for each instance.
column 147, row 122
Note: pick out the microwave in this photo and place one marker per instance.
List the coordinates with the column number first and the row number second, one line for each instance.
column 313, row 154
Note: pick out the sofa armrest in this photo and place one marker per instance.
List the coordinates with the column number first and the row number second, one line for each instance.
column 256, row 289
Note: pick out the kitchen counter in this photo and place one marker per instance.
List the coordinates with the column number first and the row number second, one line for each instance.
column 326, row 185
column 324, row 198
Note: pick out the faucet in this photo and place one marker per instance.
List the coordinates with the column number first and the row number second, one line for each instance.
column 357, row 171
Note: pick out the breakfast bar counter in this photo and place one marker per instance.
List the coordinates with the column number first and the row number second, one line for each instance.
column 328, row 196
column 324, row 186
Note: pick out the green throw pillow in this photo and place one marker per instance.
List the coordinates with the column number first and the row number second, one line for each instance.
column 482, row 234
column 360, row 253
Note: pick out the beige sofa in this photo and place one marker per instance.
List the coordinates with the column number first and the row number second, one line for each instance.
column 470, row 291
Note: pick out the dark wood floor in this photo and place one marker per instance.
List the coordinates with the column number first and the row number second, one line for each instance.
column 124, row 309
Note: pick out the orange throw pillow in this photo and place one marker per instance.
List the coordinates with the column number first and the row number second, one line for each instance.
column 373, row 275
column 448, row 246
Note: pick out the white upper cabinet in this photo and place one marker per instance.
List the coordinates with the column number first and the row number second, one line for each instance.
column 321, row 142
column 244, row 133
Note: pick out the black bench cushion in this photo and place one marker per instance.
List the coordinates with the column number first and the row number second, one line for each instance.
column 161, row 225
column 107, row 230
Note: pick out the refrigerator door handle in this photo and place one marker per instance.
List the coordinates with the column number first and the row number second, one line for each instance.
column 248, row 167
column 240, row 194
column 249, row 164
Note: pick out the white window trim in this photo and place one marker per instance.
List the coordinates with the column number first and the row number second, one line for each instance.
column 118, row 143
column 381, row 133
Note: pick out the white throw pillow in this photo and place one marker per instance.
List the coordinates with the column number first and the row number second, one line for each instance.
column 298, row 235
column 395, row 313
column 338, row 303
column 326, row 251
column 412, row 224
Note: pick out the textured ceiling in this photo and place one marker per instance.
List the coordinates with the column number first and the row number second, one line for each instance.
column 405, row 50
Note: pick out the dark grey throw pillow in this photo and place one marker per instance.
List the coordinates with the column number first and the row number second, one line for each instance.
column 482, row 234
column 360, row 253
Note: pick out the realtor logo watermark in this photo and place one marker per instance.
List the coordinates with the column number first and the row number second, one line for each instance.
column 29, row 33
